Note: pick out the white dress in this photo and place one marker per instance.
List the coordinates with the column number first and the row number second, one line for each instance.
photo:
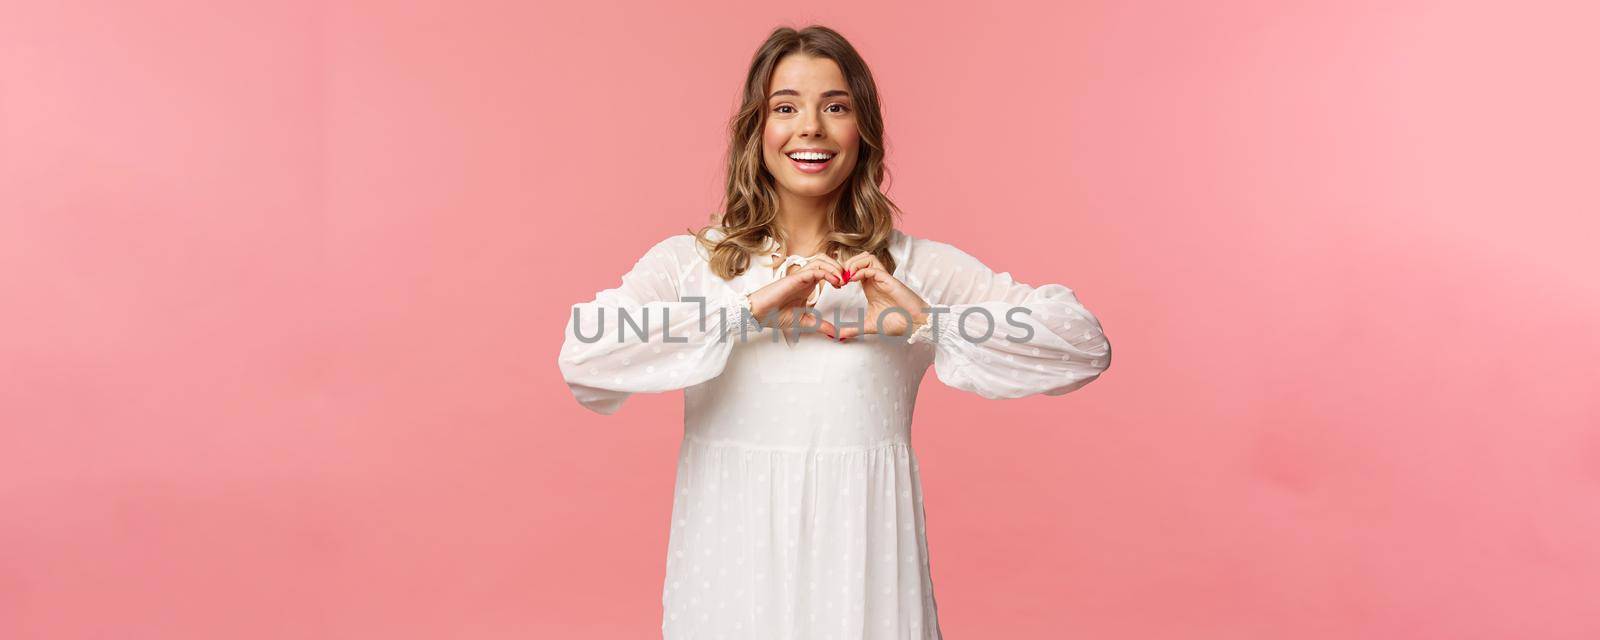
column 798, row 505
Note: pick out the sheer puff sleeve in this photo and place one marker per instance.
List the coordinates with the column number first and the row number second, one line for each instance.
column 646, row 336
column 1043, row 340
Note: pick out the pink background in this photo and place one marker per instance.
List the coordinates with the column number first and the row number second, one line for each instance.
column 284, row 283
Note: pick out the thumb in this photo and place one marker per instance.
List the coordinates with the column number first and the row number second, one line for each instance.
column 827, row 328
column 813, row 320
column 852, row 331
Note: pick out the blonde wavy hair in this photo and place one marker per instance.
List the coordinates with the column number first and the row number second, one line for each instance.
column 862, row 219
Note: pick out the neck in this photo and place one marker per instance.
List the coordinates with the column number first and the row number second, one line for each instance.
column 803, row 220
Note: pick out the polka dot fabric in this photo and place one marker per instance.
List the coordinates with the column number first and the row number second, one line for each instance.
column 798, row 511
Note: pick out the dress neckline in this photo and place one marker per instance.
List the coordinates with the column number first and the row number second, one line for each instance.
column 774, row 254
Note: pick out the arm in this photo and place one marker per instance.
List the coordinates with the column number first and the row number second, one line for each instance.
column 1055, row 345
column 685, row 340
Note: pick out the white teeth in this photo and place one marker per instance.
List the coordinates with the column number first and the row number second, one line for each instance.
column 810, row 155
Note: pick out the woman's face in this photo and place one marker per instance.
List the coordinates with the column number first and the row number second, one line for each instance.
column 809, row 108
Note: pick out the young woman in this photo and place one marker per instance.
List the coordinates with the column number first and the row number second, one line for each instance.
column 798, row 508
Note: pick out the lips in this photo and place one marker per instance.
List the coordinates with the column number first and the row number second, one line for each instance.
column 811, row 164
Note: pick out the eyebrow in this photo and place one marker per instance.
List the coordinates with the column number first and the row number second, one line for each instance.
column 826, row 94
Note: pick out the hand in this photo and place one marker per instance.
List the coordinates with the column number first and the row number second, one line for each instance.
column 790, row 294
column 883, row 291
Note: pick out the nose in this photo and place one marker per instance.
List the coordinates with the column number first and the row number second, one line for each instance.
column 811, row 125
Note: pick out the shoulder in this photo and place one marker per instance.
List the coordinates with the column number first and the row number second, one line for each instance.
column 925, row 253
column 678, row 243
column 680, row 248
column 684, row 253
column 902, row 247
column 690, row 249
column 667, row 257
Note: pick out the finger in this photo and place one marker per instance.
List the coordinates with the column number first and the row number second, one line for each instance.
column 844, row 270
column 799, row 320
column 835, row 272
column 861, row 260
column 807, row 278
column 871, row 274
column 794, row 286
column 835, row 332
column 866, row 263
column 812, row 321
column 828, row 329
column 812, row 261
column 811, row 272
column 832, row 266
column 850, row 267
column 852, row 331
column 827, row 259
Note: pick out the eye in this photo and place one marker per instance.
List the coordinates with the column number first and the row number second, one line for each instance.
column 842, row 108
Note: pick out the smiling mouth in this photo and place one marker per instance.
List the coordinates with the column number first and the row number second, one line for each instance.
column 811, row 162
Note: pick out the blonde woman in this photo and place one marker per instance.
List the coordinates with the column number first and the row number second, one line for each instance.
column 799, row 325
